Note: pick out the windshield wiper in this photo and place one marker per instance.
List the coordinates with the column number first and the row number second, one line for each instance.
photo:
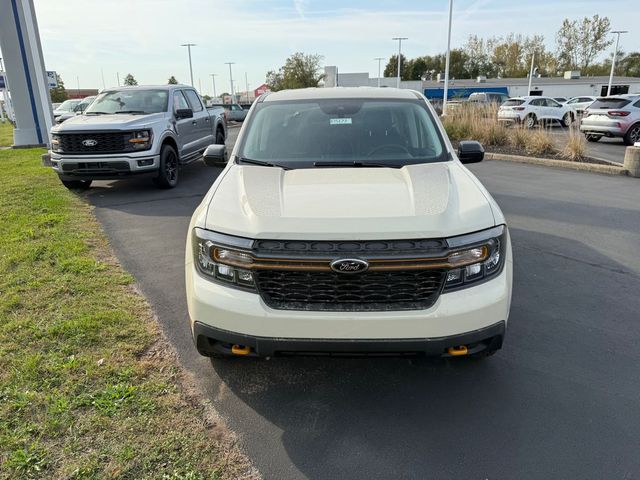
column 261, row 163
column 141, row 112
column 96, row 113
column 355, row 164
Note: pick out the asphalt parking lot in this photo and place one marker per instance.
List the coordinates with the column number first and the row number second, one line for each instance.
column 608, row 149
column 559, row 401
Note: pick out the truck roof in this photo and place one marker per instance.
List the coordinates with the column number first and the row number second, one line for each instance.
column 142, row 87
column 340, row 92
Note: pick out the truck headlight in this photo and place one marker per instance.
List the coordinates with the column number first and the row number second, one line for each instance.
column 221, row 263
column 140, row 140
column 477, row 256
column 55, row 143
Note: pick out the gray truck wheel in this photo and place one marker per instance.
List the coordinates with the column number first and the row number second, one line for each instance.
column 168, row 171
column 76, row 184
column 219, row 138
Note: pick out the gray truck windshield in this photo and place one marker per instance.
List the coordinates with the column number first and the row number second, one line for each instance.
column 130, row 101
column 342, row 132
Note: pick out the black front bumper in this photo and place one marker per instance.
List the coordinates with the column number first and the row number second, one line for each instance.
column 211, row 341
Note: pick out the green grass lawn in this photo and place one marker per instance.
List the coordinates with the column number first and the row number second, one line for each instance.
column 88, row 388
column 6, row 134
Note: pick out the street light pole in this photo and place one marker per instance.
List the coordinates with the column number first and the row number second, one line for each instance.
column 379, row 59
column 399, row 39
column 246, row 84
column 231, row 79
column 189, row 45
column 213, row 79
column 613, row 62
column 446, row 66
column 533, row 56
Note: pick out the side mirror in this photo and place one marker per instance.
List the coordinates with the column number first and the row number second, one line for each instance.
column 215, row 156
column 184, row 113
column 470, row 151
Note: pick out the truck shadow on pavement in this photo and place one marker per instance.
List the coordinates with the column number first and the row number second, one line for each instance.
column 545, row 404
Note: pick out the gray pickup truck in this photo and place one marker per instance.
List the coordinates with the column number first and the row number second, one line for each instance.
column 135, row 131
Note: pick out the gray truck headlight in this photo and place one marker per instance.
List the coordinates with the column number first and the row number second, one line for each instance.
column 221, row 263
column 488, row 247
column 55, row 143
column 140, row 140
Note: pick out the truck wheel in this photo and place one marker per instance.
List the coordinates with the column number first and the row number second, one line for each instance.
column 76, row 184
column 168, row 171
column 592, row 138
column 219, row 137
column 633, row 135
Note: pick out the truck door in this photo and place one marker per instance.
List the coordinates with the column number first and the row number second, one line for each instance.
column 184, row 126
column 203, row 126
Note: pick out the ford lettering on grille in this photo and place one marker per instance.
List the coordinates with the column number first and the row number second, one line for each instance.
column 89, row 142
column 349, row 265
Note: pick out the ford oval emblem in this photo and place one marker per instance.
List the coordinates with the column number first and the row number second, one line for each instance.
column 89, row 142
column 349, row 265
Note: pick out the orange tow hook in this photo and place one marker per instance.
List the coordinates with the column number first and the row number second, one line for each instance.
column 457, row 351
column 240, row 350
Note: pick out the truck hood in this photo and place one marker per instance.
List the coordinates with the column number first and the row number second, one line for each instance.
column 417, row 201
column 121, row 121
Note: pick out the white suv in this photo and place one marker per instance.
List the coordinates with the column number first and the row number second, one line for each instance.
column 345, row 222
column 533, row 110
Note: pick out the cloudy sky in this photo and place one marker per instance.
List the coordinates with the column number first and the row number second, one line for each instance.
column 83, row 38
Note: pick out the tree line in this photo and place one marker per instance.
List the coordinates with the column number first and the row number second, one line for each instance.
column 579, row 43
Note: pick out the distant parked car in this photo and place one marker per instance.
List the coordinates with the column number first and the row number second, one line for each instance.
column 532, row 110
column 65, row 107
column 488, row 97
column 80, row 107
column 615, row 116
column 579, row 104
column 233, row 111
column 560, row 99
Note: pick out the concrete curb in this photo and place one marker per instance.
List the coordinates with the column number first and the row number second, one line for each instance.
column 547, row 162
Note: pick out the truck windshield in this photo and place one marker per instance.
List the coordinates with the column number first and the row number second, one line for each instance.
column 342, row 132
column 130, row 101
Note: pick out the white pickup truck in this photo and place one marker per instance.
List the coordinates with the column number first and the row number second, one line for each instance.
column 345, row 222
column 138, row 130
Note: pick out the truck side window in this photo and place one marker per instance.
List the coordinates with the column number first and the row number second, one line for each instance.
column 194, row 100
column 179, row 102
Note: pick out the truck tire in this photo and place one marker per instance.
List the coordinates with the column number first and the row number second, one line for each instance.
column 168, row 171
column 77, row 184
column 219, row 137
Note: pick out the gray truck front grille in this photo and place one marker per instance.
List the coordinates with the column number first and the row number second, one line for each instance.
column 87, row 143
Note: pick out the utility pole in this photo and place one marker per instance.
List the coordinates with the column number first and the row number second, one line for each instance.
column 446, row 66
column 78, row 85
column 231, row 79
column 613, row 62
column 213, row 79
column 200, row 86
column 399, row 39
column 118, row 77
column 246, row 84
column 379, row 59
column 189, row 45
column 102, row 73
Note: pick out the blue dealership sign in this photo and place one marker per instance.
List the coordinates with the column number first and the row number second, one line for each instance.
column 462, row 92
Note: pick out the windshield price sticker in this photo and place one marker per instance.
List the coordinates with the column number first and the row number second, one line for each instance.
column 340, row 121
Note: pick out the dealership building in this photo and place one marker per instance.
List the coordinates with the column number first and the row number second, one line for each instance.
column 572, row 84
